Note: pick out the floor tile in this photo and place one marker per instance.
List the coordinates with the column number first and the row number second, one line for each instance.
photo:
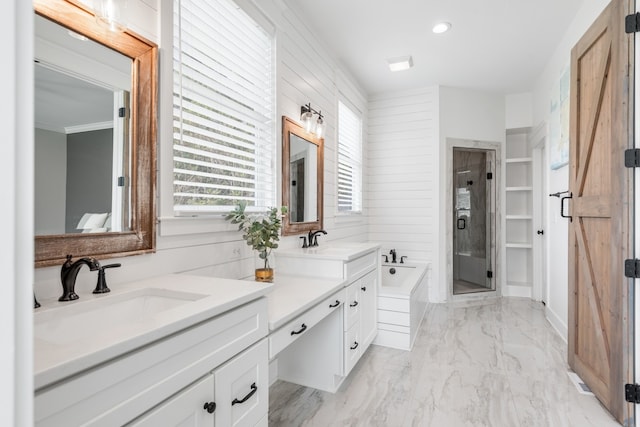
column 491, row 362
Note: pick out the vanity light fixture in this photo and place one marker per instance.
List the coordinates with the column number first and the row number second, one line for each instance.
column 401, row 63
column 306, row 117
column 441, row 27
column 111, row 14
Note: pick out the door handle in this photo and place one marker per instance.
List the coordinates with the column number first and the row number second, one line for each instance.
column 540, row 232
column 464, row 224
column 570, row 196
column 254, row 388
column 299, row 331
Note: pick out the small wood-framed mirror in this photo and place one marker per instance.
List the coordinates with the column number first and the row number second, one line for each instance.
column 302, row 178
column 136, row 235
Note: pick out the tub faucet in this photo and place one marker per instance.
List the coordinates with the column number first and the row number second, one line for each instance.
column 68, row 275
column 313, row 237
column 393, row 254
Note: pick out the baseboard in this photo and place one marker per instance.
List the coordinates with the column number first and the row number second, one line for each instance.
column 556, row 323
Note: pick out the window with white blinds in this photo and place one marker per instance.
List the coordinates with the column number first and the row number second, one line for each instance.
column 223, row 135
column 349, row 160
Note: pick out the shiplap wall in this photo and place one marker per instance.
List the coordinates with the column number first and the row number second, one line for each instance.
column 305, row 72
column 402, row 152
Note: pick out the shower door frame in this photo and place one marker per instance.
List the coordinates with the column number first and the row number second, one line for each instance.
column 494, row 152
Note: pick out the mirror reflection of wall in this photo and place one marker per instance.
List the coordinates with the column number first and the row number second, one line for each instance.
column 303, row 161
column 81, row 94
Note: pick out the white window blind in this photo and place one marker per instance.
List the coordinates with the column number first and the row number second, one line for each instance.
column 349, row 160
column 223, row 137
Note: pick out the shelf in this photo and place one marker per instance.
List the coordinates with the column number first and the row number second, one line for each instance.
column 519, row 245
column 519, row 160
column 519, row 189
column 519, row 217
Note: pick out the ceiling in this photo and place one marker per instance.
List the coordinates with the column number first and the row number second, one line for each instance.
column 498, row 46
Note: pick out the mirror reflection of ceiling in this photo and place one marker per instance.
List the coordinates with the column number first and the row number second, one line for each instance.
column 76, row 78
column 63, row 102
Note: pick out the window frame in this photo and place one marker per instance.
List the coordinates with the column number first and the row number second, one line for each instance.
column 357, row 112
column 168, row 207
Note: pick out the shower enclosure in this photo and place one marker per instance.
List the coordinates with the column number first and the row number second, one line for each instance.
column 473, row 220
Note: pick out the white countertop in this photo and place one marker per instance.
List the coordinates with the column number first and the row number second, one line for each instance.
column 345, row 251
column 55, row 361
column 293, row 295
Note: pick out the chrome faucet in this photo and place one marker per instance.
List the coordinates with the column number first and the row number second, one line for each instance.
column 393, row 254
column 313, row 237
column 68, row 275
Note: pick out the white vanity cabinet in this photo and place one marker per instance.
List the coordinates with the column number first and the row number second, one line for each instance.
column 357, row 264
column 360, row 326
column 221, row 360
column 235, row 394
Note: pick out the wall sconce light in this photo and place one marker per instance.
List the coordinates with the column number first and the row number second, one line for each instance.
column 111, row 14
column 306, row 116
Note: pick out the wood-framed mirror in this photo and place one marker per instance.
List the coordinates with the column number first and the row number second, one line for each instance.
column 131, row 228
column 302, row 178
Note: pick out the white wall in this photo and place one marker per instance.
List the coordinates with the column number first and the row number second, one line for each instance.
column 558, row 180
column 403, row 152
column 519, row 110
column 305, row 72
column 50, row 181
column 16, row 217
column 467, row 115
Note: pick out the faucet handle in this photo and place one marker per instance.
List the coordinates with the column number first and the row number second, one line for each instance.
column 402, row 259
column 304, row 242
column 101, row 286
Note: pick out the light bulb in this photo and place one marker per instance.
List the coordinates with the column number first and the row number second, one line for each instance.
column 319, row 127
column 307, row 120
column 111, row 13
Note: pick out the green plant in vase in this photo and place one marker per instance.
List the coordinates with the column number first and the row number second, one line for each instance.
column 261, row 231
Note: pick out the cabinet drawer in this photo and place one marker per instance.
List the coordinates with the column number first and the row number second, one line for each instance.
column 357, row 267
column 185, row 408
column 242, row 388
column 118, row 391
column 352, row 305
column 352, row 348
column 293, row 330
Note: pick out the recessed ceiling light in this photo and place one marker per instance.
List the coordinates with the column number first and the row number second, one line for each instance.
column 441, row 27
column 401, row 63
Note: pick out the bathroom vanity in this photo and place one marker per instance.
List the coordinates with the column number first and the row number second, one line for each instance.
column 172, row 348
column 180, row 348
column 325, row 355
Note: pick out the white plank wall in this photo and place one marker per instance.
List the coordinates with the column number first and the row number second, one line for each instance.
column 403, row 146
column 305, row 72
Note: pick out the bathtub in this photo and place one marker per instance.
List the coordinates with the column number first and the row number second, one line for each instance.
column 402, row 303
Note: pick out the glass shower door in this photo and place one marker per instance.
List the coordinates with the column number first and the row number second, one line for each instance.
column 472, row 221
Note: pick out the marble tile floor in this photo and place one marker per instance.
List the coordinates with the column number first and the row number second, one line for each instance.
column 492, row 362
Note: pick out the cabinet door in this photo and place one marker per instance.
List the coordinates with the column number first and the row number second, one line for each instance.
column 352, row 305
column 368, row 286
column 242, row 388
column 352, row 348
column 185, row 409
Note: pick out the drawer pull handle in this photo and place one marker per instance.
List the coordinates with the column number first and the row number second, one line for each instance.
column 364, row 289
column 210, row 407
column 353, row 304
column 254, row 388
column 335, row 304
column 304, row 328
column 354, row 346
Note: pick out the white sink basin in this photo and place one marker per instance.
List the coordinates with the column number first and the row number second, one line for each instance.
column 80, row 320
